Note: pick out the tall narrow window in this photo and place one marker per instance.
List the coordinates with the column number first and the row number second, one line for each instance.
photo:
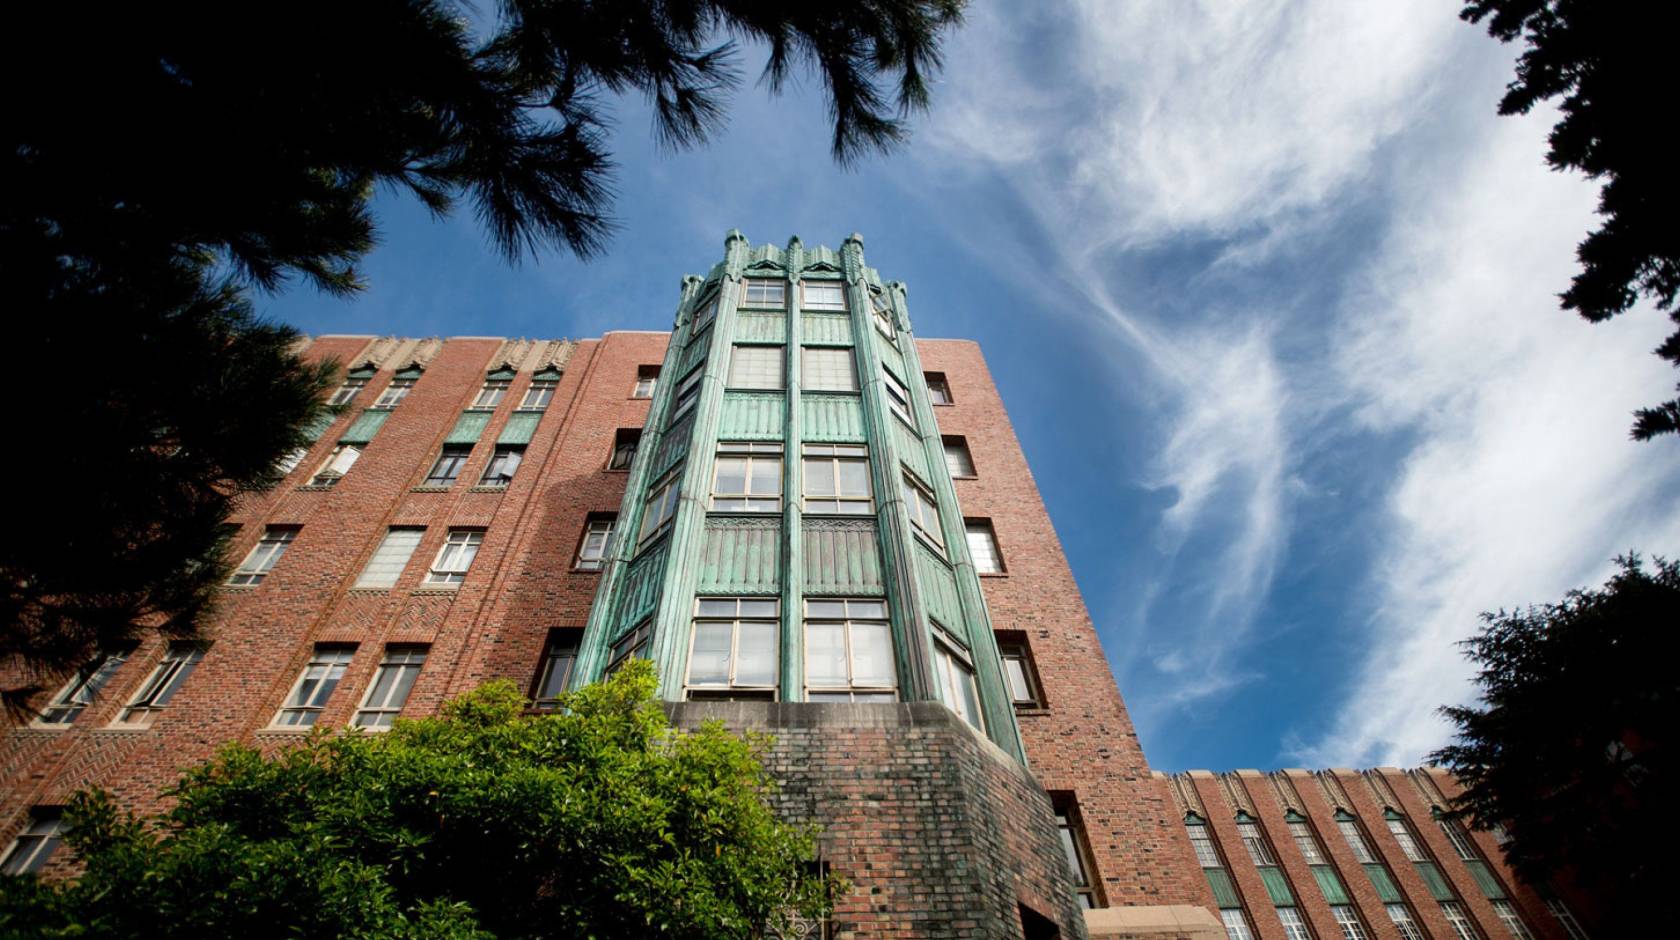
column 956, row 677
column 178, row 662
column 390, row 558
column 1566, row 919
column 958, row 460
column 764, row 294
column 455, row 557
column 314, row 686
column 625, row 442
column 559, row 659
column 1507, row 914
column 491, row 395
column 264, row 555
column 688, row 392
column 747, row 477
column 1347, row 919
column 34, row 846
column 592, row 549
column 733, row 655
column 827, row 369
column 395, row 393
column 1294, row 928
column 632, row 645
column 503, row 463
column 82, row 688
column 881, row 308
column 1301, row 831
column 1259, row 850
column 1401, row 915
column 983, row 546
column 822, row 295
column 339, row 462
column 836, row 479
column 540, row 392
column 759, row 367
column 1076, row 848
column 1461, row 926
column 703, row 317
column 848, row 651
column 448, row 466
column 938, row 389
column 1201, row 841
column 1236, row 925
column 347, row 392
column 661, row 507
column 1403, row 834
column 1457, row 836
column 647, row 379
column 1019, row 675
column 391, row 684
column 1355, row 839
column 924, row 515
column 898, row 398
column 290, row 461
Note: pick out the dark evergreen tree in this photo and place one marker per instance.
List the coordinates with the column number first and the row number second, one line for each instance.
column 1610, row 64
column 158, row 161
column 1571, row 746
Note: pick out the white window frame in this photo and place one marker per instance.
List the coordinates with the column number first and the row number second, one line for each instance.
column 491, row 395
column 337, row 464
column 955, row 670
column 592, row 547
column 34, row 846
column 306, row 699
column 1018, row 674
column 1294, row 925
column 751, row 455
column 263, row 556
column 347, row 392
column 1356, row 841
column 759, row 612
column 1254, row 840
column 660, row 507
column 1201, row 842
column 152, row 697
column 898, row 398
column 881, row 309
column 1512, row 921
column 504, row 463
column 1401, row 916
column 1306, row 842
column 815, row 373
column 1459, row 921
column 1348, row 920
column 923, row 511
column 855, row 612
column 455, row 557
column 538, row 395
column 961, row 467
column 1077, row 849
column 983, row 546
column 383, row 701
column 1402, row 834
column 560, row 655
column 1236, row 925
column 647, row 382
column 1459, row 838
column 394, row 393
column 806, row 302
column 81, row 690
column 1564, row 916
column 750, row 365
column 938, row 388
column 387, row 553
column 825, row 461
column 763, row 286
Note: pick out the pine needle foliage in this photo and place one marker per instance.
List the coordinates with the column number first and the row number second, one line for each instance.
column 599, row 821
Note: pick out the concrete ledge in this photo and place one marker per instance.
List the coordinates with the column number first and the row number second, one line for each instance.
column 1156, row 922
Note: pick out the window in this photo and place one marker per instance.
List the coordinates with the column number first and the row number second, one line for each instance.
column 1076, row 849
column 823, row 295
column 632, row 645
column 898, row 398
column 339, row 462
column 1566, row 918
column 1403, row 922
column 1403, row 834
column 747, row 477
column 390, row 688
column 1458, row 837
column 757, row 367
column 848, row 651
column 1236, row 925
column 449, row 464
column 390, row 558
column 957, row 458
column 661, row 506
column 540, row 392
column 1348, row 919
column 178, row 662
column 347, row 391
column 647, row 379
column 491, row 395
column 290, row 462
column 881, row 308
column 983, row 546
column 956, row 679
column 35, row 845
column 263, row 555
column 1259, row 851
column 503, row 463
column 1461, row 926
column 827, row 369
column 625, row 443
column 1508, row 916
column 592, row 550
column 1202, row 841
column 1305, row 840
column 687, row 393
column 1355, row 839
column 924, row 515
column 1019, row 675
column 559, row 659
column 1294, row 928
column 703, row 316
column 83, row 687
column 734, row 650
column 314, row 686
column 938, row 389
column 762, row 292
column 395, row 393
column 455, row 557
column 836, row 479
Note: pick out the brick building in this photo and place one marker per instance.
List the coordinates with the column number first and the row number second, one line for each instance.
column 815, row 525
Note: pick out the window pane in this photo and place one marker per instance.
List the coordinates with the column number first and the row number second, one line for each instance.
column 759, row 607
column 854, row 477
column 828, row 370
column 709, row 663
column 756, row 653
column 1016, row 672
column 825, row 654
column 389, row 560
column 756, row 367
column 712, row 607
column 766, row 477
column 872, row 654
column 819, row 476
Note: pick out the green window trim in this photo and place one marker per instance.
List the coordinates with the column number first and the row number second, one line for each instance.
column 501, row 375
column 1330, row 884
column 469, row 427
column 547, row 375
column 318, row 425
column 1224, row 889
column 365, row 373
column 412, row 372
column 1437, row 882
column 1485, row 879
column 366, row 425
column 1383, row 882
column 521, row 425
column 1277, row 886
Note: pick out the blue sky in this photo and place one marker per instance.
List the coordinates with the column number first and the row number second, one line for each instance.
column 1269, row 291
